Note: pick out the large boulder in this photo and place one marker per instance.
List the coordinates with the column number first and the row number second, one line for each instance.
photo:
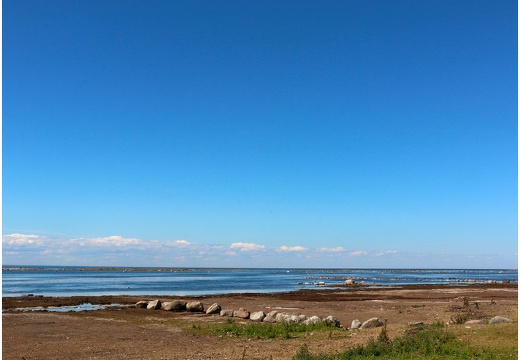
column 214, row 309
column 178, row 305
column 356, row 324
column 312, row 320
column 499, row 320
column 291, row 319
column 332, row 321
column 257, row 316
column 141, row 304
column 271, row 317
column 227, row 312
column 372, row 323
column 154, row 305
column 241, row 313
column 195, row 306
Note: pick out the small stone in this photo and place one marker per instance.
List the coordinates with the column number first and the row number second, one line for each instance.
column 476, row 322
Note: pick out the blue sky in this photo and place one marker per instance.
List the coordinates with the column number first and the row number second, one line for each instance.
column 260, row 134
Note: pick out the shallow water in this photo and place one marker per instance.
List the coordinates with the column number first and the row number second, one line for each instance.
column 71, row 281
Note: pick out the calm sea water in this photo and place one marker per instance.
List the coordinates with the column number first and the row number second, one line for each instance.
column 70, row 281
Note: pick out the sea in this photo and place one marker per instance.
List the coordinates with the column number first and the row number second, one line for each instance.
column 90, row 281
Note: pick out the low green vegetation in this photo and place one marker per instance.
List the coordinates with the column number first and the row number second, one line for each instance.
column 428, row 342
column 264, row 331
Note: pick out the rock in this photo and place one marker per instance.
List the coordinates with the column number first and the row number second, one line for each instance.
column 302, row 318
column 178, row 305
column 332, row 321
column 372, row 323
column 195, row 306
column 279, row 318
column 227, row 312
column 312, row 320
column 141, row 304
column 499, row 320
column 154, row 305
column 271, row 317
column 257, row 316
column 214, row 309
column 291, row 319
column 241, row 313
column 477, row 322
column 350, row 282
column 166, row 305
column 356, row 324
column 417, row 323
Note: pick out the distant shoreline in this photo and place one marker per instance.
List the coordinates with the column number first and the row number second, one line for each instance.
column 180, row 269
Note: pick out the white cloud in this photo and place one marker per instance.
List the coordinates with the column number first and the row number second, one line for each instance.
column 246, row 246
column 292, row 248
column 357, row 253
column 182, row 242
column 114, row 240
column 336, row 249
column 23, row 239
column 385, row 252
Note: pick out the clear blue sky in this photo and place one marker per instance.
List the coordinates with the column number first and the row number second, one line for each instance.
column 260, row 133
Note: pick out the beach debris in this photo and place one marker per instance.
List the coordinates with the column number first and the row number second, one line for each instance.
column 194, row 306
column 356, row 324
column 141, row 304
column 214, row 309
column 499, row 320
column 242, row 313
column 227, row 312
column 332, row 321
column 154, row 305
column 257, row 316
column 372, row 323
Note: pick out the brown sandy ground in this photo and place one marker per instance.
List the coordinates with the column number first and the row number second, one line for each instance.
column 130, row 333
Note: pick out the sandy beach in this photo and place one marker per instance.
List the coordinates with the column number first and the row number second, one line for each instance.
column 126, row 332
